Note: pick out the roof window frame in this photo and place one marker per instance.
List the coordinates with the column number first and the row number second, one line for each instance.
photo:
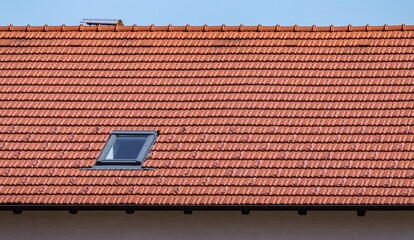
column 104, row 163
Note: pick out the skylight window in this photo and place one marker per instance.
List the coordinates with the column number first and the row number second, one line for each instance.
column 126, row 149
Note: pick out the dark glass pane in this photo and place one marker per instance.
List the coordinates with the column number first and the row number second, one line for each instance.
column 126, row 148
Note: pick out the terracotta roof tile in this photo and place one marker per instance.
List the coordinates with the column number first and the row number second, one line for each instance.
column 248, row 115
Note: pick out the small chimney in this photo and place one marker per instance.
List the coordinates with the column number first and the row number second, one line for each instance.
column 106, row 22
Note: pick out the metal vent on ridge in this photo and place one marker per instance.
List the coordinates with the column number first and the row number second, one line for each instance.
column 106, row 22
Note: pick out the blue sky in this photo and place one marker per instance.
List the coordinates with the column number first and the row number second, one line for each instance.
column 212, row 12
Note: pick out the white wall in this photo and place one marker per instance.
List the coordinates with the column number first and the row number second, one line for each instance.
column 206, row 225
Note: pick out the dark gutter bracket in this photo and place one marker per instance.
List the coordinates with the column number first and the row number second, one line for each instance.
column 73, row 211
column 245, row 212
column 17, row 211
column 188, row 212
column 302, row 212
column 361, row 213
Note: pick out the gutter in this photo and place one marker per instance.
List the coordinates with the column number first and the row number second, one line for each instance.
column 188, row 209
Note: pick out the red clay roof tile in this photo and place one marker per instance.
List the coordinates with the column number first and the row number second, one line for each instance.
column 248, row 115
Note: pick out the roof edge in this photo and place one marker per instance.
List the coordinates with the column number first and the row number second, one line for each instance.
column 131, row 207
column 205, row 28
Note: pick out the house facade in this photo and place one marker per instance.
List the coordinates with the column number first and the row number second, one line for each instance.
column 239, row 127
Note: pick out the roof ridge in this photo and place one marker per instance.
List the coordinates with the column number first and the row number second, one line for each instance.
column 205, row 28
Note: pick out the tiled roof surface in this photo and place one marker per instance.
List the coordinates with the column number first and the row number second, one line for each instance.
column 247, row 115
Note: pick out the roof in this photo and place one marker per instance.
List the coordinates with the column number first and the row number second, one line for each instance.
column 248, row 115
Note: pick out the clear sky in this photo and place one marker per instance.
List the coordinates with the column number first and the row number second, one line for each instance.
column 211, row 12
